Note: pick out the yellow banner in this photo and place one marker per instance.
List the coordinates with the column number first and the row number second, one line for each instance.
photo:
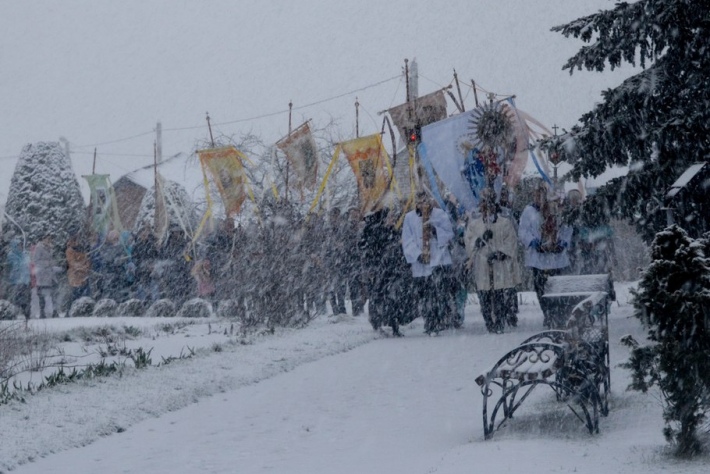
column 370, row 163
column 227, row 171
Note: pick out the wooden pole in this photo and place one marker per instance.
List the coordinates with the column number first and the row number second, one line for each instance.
column 357, row 118
column 209, row 126
column 411, row 148
column 93, row 167
column 290, row 111
column 458, row 87
column 155, row 187
column 406, row 78
column 555, row 163
column 475, row 94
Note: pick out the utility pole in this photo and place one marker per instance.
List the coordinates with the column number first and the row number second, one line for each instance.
column 159, row 142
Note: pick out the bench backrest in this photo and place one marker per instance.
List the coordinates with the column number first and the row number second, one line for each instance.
column 572, row 284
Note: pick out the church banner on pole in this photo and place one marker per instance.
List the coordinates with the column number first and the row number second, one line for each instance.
column 300, row 150
column 419, row 111
column 370, row 163
column 104, row 209
column 226, row 167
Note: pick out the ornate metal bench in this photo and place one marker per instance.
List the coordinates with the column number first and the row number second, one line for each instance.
column 573, row 362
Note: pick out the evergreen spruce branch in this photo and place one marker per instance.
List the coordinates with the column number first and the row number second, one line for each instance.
column 630, row 32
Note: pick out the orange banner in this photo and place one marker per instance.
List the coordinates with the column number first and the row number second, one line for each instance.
column 227, row 171
column 370, row 163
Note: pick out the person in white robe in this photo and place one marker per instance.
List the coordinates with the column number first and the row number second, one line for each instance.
column 430, row 261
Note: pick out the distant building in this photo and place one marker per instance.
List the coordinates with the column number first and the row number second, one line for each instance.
column 688, row 200
column 129, row 195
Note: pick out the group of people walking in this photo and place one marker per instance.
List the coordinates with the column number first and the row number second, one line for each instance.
column 117, row 266
column 421, row 263
column 487, row 262
column 550, row 233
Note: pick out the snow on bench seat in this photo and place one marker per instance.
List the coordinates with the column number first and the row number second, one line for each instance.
column 529, row 361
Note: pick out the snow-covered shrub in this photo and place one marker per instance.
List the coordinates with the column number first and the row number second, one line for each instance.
column 82, row 307
column 672, row 301
column 229, row 309
column 8, row 310
column 195, row 308
column 11, row 345
column 181, row 208
column 105, row 308
column 163, row 308
column 132, row 307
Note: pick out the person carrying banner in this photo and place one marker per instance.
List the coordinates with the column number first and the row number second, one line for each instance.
column 459, row 292
column 426, row 234
column 382, row 267
column 546, row 241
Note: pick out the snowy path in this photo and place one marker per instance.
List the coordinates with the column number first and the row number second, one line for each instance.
column 388, row 406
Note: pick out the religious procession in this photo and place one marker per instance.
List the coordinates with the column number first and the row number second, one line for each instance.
column 448, row 214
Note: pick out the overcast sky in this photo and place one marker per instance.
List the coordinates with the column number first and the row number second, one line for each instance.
column 101, row 73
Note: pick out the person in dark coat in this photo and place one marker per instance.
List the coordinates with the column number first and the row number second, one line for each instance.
column 145, row 257
column 113, row 258
column 176, row 279
column 334, row 261
column 384, row 268
column 221, row 251
column 353, row 261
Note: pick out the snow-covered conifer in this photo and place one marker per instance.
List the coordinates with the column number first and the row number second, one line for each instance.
column 672, row 301
column 44, row 193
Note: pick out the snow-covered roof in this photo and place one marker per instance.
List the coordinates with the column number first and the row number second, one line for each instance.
column 179, row 168
column 686, row 177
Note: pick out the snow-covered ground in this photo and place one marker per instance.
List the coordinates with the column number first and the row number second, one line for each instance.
column 334, row 397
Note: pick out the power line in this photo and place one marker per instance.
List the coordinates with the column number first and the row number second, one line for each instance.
column 257, row 117
column 110, row 154
column 115, row 141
